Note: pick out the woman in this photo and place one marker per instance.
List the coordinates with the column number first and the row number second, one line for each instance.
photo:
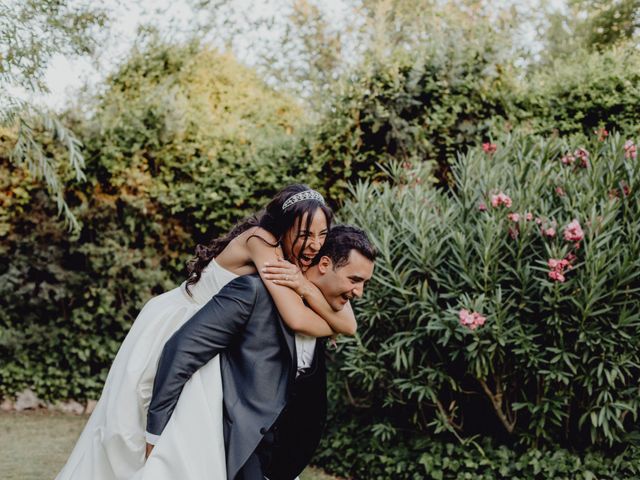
column 112, row 446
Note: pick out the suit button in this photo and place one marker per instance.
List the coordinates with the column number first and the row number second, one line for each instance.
column 263, row 431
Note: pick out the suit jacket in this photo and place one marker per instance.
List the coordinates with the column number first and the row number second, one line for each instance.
column 258, row 363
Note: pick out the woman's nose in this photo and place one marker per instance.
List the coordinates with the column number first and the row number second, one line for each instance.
column 314, row 243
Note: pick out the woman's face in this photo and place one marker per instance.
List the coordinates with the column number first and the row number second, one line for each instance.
column 300, row 245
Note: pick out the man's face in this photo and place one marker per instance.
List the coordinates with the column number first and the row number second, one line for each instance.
column 346, row 282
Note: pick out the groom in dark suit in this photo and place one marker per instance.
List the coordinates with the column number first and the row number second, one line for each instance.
column 274, row 413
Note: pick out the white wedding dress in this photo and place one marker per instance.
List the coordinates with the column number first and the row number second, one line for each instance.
column 112, row 444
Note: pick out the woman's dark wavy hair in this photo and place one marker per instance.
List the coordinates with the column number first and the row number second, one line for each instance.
column 273, row 219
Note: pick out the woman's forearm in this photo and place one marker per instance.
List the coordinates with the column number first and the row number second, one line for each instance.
column 342, row 321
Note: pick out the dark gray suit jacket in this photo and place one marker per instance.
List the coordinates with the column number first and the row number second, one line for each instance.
column 258, row 362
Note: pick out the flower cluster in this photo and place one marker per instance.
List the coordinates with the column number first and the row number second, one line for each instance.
column 471, row 320
column 557, row 268
column 630, row 150
column 489, row 148
column 573, row 232
column 515, row 217
column 568, row 159
column 580, row 157
column 547, row 229
column 500, row 199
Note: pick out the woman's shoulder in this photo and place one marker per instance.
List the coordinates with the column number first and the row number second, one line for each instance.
column 239, row 256
column 259, row 233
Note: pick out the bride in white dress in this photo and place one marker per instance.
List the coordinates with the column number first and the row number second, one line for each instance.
column 112, row 444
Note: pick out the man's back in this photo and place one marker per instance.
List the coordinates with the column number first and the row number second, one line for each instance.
column 257, row 360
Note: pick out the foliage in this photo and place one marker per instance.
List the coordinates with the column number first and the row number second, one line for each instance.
column 355, row 449
column 195, row 132
column 582, row 93
column 305, row 46
column 509, row 306
column 422, row 105
column 591, row 25
column 31, row 33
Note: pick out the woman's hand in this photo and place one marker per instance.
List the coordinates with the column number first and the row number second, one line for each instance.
column 287, row 274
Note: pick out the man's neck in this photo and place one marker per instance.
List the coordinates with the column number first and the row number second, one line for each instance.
column 313, row 275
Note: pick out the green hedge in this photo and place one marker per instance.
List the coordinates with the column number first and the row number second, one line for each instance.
column 351, row 449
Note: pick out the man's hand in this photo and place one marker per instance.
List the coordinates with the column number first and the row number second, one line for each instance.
column 148, row 451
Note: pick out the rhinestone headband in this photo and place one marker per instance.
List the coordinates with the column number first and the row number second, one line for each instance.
column 299, row 197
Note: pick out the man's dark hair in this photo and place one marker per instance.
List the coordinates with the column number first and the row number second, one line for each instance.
column 339, row 243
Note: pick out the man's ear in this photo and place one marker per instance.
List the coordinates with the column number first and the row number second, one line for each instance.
column 325, row 264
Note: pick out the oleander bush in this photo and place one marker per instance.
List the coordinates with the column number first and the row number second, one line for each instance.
column 508, row 307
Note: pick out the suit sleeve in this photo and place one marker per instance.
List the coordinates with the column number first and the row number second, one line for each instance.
column 210, row 331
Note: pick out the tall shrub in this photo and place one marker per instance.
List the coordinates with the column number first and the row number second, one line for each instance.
column 507, row 307
column 582, row 93
column 418, row 103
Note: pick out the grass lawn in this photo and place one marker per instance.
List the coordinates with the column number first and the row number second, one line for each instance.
column 35, row 445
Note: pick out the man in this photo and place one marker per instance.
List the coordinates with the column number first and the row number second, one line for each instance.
column 273, row 414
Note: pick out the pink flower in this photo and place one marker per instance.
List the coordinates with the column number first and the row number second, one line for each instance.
column 568, row 159
column 583, row 156
column 479, row 319
column 556, row 275
column 500, row 199
column 514, row 232
column 514, row 217
column 538, row 221
column 528, row 216
column 549, row 232
column 482, row 207
column 471, row 320
column 573, row 232
column 556, row 268
column 465, row 317
column 560, row 191
column 626, row 190
column 489, row 148
column 630, row 149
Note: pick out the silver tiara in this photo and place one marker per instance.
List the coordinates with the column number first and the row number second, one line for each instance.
column 299, row 197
